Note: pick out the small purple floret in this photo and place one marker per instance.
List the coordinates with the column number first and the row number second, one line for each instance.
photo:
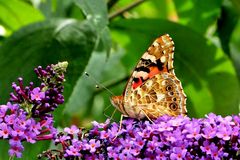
column 37, row 95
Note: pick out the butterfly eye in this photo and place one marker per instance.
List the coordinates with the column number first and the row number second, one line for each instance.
column 173, row 106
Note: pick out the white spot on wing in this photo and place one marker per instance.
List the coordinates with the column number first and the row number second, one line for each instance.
column 149, row 56
column 163, row 82
column 160, row 97
column 163, row 59
column 155, row 44
column 142, row 74
column 167, row 40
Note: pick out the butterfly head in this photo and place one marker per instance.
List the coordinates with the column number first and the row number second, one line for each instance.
column 117, row 102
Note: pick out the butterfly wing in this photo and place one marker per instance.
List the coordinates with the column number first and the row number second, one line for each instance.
column 147, row 91
column 162, row 94
column 157, row 59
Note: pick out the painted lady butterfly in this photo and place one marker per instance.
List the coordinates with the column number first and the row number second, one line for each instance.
column 153, row 89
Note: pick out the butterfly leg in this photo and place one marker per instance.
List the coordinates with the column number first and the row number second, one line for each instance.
column 147, row 116
column 120, row 126
column 113, row 113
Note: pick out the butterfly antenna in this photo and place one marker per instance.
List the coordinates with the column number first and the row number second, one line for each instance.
column 98, row 84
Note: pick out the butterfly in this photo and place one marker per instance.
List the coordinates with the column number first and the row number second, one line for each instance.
column 153, row 89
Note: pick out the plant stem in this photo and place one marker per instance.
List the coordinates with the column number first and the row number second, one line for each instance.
column 111, row 3
column 127, row 8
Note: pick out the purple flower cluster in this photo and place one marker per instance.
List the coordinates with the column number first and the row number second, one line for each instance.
column 45, row 98
column 27, row 116
column 213, row 137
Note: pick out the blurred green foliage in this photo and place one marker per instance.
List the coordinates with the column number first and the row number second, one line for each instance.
column 107, row 38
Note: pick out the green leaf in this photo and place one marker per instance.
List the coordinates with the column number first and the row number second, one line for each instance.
column 236, row 5
column 235, row 48
column 226, row 24
column 208, row 76
column 198, row 15
column 16, row 14
column 105, row 42
column 45, row 43
column 101, row 71
column 57, row 8
column 42, row 44
column 96, row 13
